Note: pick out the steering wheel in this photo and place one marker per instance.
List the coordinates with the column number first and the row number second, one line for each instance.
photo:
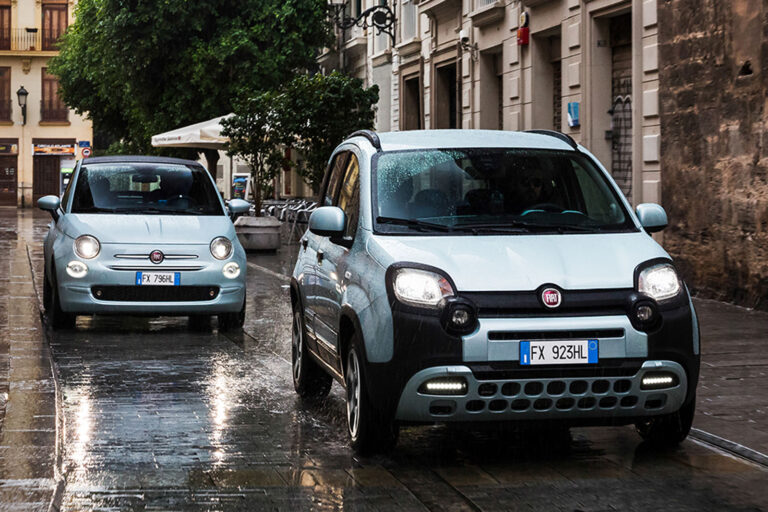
column 547, row 207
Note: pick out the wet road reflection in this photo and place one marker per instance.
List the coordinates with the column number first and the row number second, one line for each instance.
column 161, row 416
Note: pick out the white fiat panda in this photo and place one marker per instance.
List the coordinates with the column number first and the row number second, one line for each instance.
column 484, row 276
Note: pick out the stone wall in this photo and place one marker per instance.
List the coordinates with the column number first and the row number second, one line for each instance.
column 713, row 83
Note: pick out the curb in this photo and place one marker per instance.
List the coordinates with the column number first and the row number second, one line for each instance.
column 730, row 447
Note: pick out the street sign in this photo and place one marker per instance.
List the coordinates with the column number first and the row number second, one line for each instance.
column 84, row 143
column 86, row 152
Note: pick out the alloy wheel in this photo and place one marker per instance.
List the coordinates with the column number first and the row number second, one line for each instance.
column 353, row 394
column 298, row 346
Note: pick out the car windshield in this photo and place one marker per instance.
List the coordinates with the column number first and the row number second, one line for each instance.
column 494, row 191
column 145, row 188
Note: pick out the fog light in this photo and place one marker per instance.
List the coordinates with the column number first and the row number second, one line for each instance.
column 231, row 270
column 460, row 318
column 444, row 386
column 658, row 380
column 644, row 313
column 77, row 269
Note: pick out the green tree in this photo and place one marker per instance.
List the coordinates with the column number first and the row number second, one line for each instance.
column 137, row 67
column 253, row 136
column 316, row 113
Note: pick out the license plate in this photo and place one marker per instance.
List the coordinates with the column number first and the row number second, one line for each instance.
column 558, row 352
column 158, row 278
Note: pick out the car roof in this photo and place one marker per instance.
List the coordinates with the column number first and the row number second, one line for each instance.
column 433, row 139
column 139, row 159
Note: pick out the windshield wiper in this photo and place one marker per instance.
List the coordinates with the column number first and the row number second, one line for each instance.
column 417, row 224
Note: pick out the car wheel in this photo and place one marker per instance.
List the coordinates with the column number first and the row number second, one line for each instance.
column 370, row 430
column 199, row 322
column 55, row 316
column 309, row 380
column 229, row 322
column 670, row 429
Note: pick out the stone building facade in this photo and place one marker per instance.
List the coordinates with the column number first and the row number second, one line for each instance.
column 459, row 64
column 36, row 154
column 714, row 150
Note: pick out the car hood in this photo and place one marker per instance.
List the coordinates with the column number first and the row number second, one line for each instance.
column 138, row 229
column 523, row 263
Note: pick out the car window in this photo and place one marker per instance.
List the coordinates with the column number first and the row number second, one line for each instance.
column 334, row 180
column 67, row 192
column 174, row 189
column 349, row 196
column 459, row 188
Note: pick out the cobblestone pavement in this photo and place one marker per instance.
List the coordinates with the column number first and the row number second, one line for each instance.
column 161, row 417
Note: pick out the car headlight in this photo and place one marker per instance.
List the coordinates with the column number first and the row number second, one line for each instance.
column 77, row 269
column 231, row 270
column 660, row 282
column 87, row 247
column 420, row 287
column 221, row 248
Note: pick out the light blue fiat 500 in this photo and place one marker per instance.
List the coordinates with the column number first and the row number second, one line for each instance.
column 486, row 276
column 144, row 236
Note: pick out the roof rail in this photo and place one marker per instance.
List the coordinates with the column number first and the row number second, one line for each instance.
column 558, row 135
column 371, row 135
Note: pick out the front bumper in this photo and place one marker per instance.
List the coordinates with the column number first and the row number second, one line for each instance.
column 118, row 278
column 596, row 399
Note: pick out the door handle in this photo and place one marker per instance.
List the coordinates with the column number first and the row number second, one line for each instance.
column 320, row 256
column 305, row 243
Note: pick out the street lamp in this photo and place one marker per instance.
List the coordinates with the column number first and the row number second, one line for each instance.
column 22, row 94
column 382, row 18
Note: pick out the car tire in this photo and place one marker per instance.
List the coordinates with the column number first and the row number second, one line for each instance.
column 54, row 315
column 199, row 322
column 309, row 380
column 370, row 430
column 229, row 322
column 670, row 429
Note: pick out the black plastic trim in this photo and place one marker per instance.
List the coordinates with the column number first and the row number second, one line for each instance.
column 558, row 135
column 371, row 135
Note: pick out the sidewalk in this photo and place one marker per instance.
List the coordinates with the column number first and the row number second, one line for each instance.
column 27, row 388
column 732, row 396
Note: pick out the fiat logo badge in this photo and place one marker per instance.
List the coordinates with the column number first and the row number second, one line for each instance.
column 551, row 297
column 156, row 257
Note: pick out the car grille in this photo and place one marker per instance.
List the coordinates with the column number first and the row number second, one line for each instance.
column 155, row 293
column 527, row 304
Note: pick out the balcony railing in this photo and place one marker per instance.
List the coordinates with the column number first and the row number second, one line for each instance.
column 5, row 110
column 29, row 39
column 479, row 4
column 53, row 111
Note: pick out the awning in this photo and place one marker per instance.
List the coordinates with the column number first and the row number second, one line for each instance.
column 205, row 135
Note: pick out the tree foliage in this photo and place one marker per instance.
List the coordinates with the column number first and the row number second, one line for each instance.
column 317, row 111
column 138, row 68
column 252, row 137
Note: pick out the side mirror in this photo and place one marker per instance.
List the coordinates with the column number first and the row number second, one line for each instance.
column 328, row 221
column 50, row 204
column 238, row 206
column 652, row 217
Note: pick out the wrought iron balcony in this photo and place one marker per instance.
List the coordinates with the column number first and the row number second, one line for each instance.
column 53, row 111
column 29, row 39
column 6, row 110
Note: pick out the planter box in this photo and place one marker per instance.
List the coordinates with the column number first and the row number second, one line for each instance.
column 258, row 233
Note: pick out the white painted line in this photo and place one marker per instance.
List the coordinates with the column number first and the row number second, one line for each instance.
column 278, row 275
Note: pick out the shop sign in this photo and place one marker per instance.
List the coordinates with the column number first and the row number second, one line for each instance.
column 9, row 149
column 53, row 149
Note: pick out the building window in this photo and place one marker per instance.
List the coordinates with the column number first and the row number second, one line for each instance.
column 408, row 14
column 5, row 27
column 411, row 104
column 5, row 93
column 446, row 100
column 54, row 24
column 51, row 106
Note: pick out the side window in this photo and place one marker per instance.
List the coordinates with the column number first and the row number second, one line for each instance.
column 349, row 197
column 67, row 191
column 334, row 180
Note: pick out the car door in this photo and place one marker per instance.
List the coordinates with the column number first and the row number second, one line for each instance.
column 332, row 263
column 310, row 244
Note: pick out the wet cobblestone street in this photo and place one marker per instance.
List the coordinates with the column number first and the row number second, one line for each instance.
column 158, row 416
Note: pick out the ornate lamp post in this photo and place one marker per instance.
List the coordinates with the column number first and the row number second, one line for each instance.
column 22, row 94
column 380, row 17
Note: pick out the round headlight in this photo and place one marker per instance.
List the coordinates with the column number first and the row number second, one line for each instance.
column 221, row 248
column 87, row 247
column 421, row 287
column 659, row 282
column 231, row 270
